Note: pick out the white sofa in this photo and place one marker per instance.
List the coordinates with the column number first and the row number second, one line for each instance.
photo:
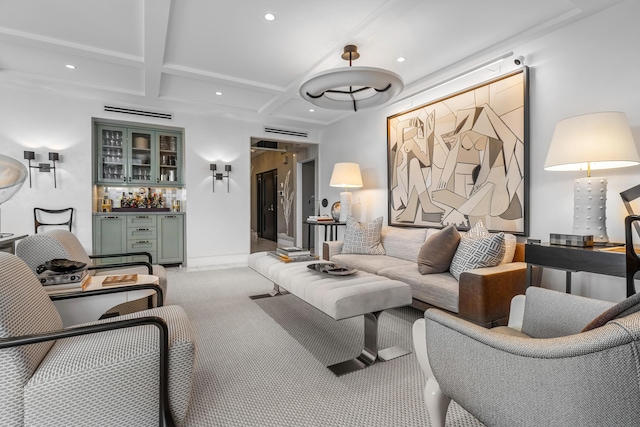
column 482, row 295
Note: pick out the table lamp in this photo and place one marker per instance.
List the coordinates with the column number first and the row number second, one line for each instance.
column 346, row 175
column 585, row 143
column 12, row 176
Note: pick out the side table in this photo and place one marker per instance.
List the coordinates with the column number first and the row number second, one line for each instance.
column 331, row 225
column 80, row 306
column 8, row 243
column 595, row 259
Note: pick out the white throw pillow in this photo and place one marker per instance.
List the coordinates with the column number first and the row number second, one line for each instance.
column 477, row 252
column 510, row 242
column 363, row 238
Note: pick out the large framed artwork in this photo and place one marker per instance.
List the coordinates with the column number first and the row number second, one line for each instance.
column 463, row 158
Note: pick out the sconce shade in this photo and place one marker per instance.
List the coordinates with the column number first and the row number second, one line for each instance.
column 212, row 166
column 54, row 156
column 227, row 168
column 592, row 141
column 29, row 155
column 12, row 176
column 346, row 175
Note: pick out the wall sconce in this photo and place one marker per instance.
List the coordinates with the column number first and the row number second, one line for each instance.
column 218, row 176
column 43, row 167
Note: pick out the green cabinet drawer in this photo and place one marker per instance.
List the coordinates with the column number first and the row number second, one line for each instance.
column 141, row 233
column 141, row 220
column 143, row 245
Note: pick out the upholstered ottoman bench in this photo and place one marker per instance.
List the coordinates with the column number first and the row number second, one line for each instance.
column 341, row 297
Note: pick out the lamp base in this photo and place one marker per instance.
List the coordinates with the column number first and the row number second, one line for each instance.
column 345, row 205
column 589, row 208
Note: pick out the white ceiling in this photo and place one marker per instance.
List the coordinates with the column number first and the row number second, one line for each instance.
column 173, row 56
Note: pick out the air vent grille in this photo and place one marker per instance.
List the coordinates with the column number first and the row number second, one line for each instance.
column 134, row 112
column 286, row 132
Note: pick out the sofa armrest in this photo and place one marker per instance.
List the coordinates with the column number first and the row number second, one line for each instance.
column 330, row 249
column 485, row 293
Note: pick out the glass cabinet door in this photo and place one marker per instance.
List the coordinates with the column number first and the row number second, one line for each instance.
column 141, row 157
column 112, row 154
column 169, row 170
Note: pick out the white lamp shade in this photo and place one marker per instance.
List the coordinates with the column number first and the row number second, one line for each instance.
column 592, row 141
column 346, row 175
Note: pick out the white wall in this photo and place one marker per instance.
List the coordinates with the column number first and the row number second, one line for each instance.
column 217, row 223
column 587, row 67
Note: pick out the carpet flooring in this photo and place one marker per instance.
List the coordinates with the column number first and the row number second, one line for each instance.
column 263, row 362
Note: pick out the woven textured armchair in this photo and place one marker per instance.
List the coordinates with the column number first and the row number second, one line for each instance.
column 37, row 249
column 541, row 369
column 133, row 370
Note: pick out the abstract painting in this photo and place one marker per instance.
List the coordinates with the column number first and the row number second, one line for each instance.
column 463, row 158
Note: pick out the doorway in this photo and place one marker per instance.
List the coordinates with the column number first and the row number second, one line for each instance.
column 267, row 189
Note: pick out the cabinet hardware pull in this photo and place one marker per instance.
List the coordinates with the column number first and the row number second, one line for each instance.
column 142, row 229
column 171, row 216
column 125, row 179
column 142, row 241
column 142, row 216
column 110, row 217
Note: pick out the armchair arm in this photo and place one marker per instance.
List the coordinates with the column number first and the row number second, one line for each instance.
column 165, row 417
column 330, row 249
column 71, row 295
column 122, row 264
column 485, row 293
column 504, row 380
column 147, row 254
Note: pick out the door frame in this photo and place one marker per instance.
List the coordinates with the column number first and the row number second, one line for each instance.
column 299, row 213
column 260, row 204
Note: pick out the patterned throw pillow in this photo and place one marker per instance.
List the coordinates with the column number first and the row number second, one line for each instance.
column 363, row 238
column 477, row 252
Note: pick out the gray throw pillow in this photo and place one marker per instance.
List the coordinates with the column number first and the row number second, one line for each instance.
column 363, row 238
column 622, row 309
column 437, row 252
column 477, row 252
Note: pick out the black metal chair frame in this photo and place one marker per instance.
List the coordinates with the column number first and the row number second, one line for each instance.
column 633, row 261
column 37, row 222
column 165, row 417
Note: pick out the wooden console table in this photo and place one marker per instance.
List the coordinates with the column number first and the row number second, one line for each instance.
column 609, row 260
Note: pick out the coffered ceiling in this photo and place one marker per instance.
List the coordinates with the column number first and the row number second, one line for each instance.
column 176, row 55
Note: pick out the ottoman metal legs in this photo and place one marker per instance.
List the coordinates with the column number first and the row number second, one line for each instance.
column 370, row 353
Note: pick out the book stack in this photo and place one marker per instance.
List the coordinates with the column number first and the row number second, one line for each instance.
column 320, row 218
column 293, row 254
column 68, row 281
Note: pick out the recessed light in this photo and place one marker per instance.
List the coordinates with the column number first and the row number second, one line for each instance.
column 401, row 59
column 311, row 110
column 70, row 66
column 269, row 16
column 219, row 93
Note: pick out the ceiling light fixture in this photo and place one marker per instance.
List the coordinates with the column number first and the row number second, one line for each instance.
column 352, row 87
column 219, row 93
column 311, row 110
column 269, row 16
column 401, row 59
column 70, row 66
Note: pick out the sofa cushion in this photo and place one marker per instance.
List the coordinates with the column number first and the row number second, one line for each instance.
column 371, row 263
column 437, row 252
column 363, row 238
column 621, row 309
column 403, row 242
column 440, row 290
column 510, row 243
column 477, row 252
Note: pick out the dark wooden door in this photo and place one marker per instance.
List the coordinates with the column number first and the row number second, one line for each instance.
column 268, row 205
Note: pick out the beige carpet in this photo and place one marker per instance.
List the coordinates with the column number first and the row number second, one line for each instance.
column 263, row 362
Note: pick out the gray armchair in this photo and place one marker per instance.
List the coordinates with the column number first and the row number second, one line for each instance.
column 541, row 369
column 39, row 248
column 128, row 370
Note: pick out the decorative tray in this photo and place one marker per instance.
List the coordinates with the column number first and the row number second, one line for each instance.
column 332, row 269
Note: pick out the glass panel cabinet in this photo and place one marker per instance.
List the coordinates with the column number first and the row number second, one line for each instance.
column 138, row 157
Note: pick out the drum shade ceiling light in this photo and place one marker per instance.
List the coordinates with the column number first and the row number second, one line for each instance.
column 351, row 87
